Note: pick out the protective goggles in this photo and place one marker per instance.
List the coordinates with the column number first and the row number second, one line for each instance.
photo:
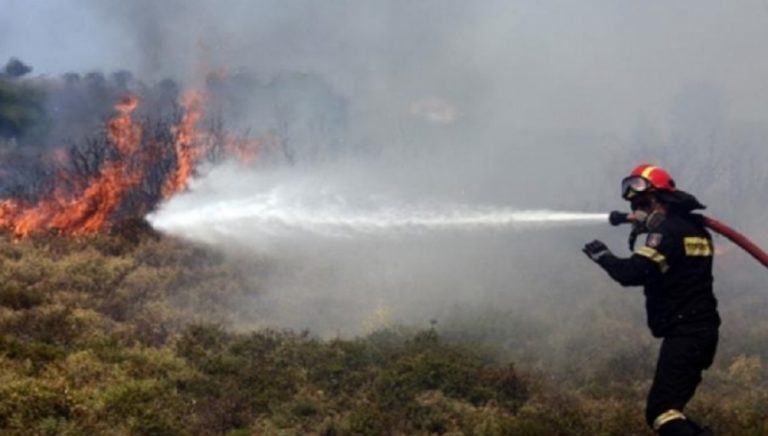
column 634, row 185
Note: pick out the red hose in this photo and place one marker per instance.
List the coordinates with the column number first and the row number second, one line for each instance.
column 738, row 239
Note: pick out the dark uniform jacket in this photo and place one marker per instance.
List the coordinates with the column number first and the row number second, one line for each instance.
column 675, row 268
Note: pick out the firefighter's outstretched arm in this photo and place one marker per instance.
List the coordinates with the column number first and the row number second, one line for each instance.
column 633, row 271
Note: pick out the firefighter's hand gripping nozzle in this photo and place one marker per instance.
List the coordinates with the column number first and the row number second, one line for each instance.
column 617, row 218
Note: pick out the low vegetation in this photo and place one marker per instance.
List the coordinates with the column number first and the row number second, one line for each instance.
column 136, row 335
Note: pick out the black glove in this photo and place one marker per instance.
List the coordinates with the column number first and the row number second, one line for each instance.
column 596, row 250
column 617, row 218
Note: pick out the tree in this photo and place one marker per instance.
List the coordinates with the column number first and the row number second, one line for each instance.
column 15, row 68
column 21, row 109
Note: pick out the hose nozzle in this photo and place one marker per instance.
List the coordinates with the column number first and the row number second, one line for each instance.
column 617, row 218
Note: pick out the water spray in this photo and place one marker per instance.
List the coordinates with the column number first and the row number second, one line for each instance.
column 273, row 219
column 285, row 212
column 617, row 218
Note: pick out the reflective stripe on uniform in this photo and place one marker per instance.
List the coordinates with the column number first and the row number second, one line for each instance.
column 667, row 416
column 646, row 174
column 655, row 256
column 695, row 246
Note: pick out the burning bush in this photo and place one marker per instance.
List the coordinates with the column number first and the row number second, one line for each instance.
column 119, row 174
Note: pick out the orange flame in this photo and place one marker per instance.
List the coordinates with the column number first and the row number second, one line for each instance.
column 190, row 144
column 89, row 212
column 79, row 206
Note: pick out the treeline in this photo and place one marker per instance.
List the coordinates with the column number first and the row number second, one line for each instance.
column 301, row 112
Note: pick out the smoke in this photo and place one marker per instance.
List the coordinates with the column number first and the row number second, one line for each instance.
column 357, row 251
column 423, row 107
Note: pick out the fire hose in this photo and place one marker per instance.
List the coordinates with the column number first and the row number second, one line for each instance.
column 617, row 218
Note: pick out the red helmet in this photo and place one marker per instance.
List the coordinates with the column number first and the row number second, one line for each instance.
column 646, row 178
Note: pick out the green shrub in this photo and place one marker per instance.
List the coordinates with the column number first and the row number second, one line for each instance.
column 16, row 296
column 144, row 406
column 26, row 402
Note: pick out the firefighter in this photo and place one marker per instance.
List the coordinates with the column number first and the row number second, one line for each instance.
column 674, row 266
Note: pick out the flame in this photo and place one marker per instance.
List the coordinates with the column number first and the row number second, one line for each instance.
column 191, row 144
column 121, row 129
column 79, row 205
column 89, row 212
